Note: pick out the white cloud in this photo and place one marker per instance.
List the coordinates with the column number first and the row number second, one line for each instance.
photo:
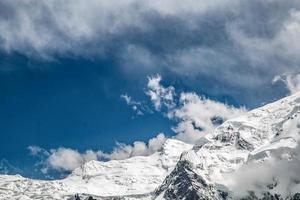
column 139, row 148
column 292, row 82
column 137, row 107
column 65, row 159
column 127, row 99
column 283, row 174
column 277, row 172
column 35, row 150
column 61, row 159
column 194, row 114
column 159, row 95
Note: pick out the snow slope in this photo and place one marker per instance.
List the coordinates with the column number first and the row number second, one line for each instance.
column 214, row 168
column 133, row 176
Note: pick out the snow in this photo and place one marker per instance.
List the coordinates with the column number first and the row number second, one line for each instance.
column 136, row 175
column 269, row 132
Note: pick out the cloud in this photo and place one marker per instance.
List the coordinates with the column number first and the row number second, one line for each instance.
column 137, row 107
column 233, row 46
column 159, row 95
column 230, row 50
column 139, row 148
column 291, row 81
column 58, row 27
column 277, row 175
column 195, row 115
column 61, row 159
column 65, row 159
column 35, row 151
column 7, row 168
column 273, row 169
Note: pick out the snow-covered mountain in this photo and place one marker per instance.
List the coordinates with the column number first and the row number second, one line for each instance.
column 254, row 156
column 132, row 177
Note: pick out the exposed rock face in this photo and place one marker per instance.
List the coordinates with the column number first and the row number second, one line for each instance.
column 184, row 183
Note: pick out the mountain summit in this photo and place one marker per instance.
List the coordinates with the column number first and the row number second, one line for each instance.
column 254, row 156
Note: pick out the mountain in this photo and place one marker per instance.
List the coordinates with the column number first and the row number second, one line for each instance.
column 255, row 156
column 135, row 177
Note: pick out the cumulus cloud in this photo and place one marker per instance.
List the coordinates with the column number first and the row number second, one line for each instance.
column 199, row 116
column 138, row 148
column 65, row 159
column 61, row 159
column 195, row 115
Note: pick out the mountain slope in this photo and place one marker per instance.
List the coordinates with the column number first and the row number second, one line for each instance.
column 230, row 162
column 133, row 176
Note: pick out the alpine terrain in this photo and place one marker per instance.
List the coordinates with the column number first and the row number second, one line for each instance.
column 254, row 156
column 136, row 177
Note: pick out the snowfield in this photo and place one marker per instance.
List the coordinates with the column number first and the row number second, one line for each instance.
column 133, row 176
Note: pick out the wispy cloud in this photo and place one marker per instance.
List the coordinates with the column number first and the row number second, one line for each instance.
column 159, row 95
column 291, row 81
column 137, row 107
column 7, row 168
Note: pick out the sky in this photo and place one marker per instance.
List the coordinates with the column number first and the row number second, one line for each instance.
column 111, row 79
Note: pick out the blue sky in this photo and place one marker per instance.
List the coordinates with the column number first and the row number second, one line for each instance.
column 64, row 66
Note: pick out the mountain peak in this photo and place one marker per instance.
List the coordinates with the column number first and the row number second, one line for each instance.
column 266, row 133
